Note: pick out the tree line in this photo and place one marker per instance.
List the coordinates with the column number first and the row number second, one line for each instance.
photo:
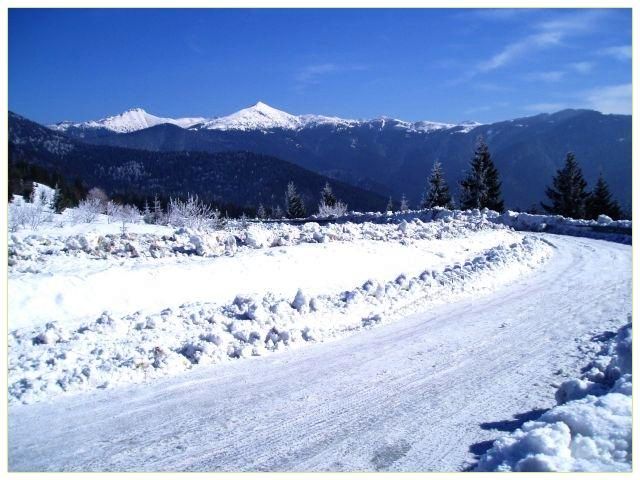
column 568, row 194
column 481, row 188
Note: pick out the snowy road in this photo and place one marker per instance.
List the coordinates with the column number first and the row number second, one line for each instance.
column 424, row 393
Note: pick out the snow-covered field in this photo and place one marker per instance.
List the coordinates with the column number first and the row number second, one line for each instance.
column 86, row 313
column 97, row 315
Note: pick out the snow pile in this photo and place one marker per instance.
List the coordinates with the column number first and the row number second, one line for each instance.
column 30, row 252
column 75, row 288
column 589, row 430
column 603, row 228
column 51, row 359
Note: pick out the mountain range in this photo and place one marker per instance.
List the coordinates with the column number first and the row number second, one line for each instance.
column 236, row 179
column 386, row 155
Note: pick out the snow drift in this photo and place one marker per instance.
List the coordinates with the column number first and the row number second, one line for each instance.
column 51, row 359
column 589, row 430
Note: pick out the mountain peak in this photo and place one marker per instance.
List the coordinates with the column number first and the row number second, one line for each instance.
column 257, row 117
column 130, row 120
column 134, row 110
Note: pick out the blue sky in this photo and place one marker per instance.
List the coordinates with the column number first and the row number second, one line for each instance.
column 443, row 65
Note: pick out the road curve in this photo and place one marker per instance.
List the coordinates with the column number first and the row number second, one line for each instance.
column 427, row 393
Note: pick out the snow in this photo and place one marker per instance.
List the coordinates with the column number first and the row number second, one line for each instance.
column 93, row 296
column 68, row 276
column 419, row 392
column 466, row 127
column 602, row 228
column 480, row 321
column 260, row 117
column 257, row 117
column 426, row 126
column 130, row 121
column 589, row 430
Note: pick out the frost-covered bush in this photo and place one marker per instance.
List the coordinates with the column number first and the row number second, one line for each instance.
column 87, row 210
column 18, row 213
column 39, row 209
column 128, row 214
column 113, row 211
column 336, row 210
column 192, row 213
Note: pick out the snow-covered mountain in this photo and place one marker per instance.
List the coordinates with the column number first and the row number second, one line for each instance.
column 392, row 156
column 258, row 117
column 130, row 121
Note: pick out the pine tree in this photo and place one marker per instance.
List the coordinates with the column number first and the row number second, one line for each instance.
column 158, row 213
column 261, row 213
column 568, row 195
column 404, row 204
column 599, row 202
column 481, row 187
column 146, row 212
column 389, row 207
column 293, row 202
column 327, row 197
column 437, row 193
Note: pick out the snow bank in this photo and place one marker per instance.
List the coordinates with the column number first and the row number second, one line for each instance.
column 74, row 276
column 51, row 359
column 603, row 228
column 589, row 430
column 30, row 252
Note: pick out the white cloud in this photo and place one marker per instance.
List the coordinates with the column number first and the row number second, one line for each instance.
column 605, row 99
column 551, row 76
column 519, row 49
column 576, row 22
column 582, row 67
column 610, row 99
column 546, row 34
column 313, row 74
column 620, row 52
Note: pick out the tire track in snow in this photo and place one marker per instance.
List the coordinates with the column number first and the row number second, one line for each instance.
column 362, row 403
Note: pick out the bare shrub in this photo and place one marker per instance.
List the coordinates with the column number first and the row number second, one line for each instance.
column 336, row 210
column 87, row 210
column 192, row 213
column 39, row 209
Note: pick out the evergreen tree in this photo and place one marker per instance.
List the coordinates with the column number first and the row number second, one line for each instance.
column 481, row 187
column 437, row 193
column 146, row 212
column 158, row 213
column 600, row 202
column 327, row 197
column 293, row 203
column 389, row 207
column 568, row 194
column 404, row 204
column 261, row 212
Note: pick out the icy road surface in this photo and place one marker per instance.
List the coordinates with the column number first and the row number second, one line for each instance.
column 425, row 393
